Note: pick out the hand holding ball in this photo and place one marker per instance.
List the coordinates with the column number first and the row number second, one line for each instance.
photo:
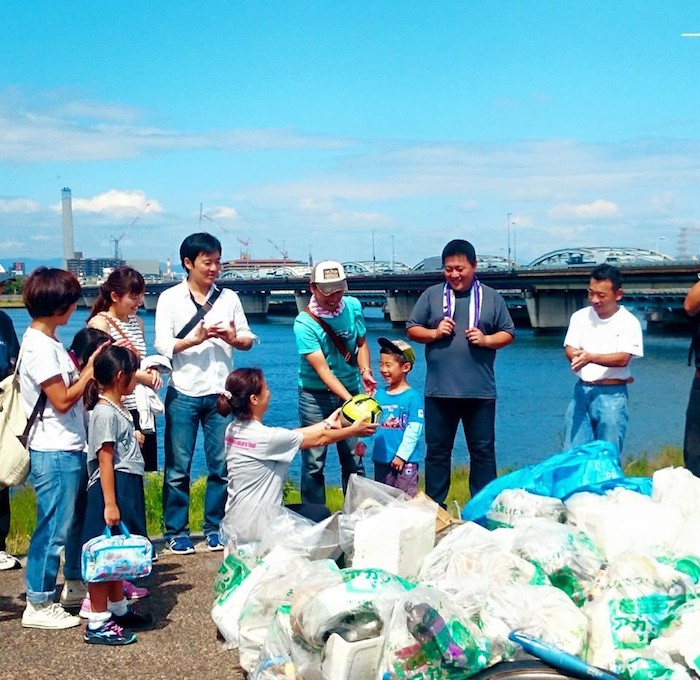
column 360, row 407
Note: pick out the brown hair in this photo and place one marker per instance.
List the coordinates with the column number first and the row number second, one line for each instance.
column 242, row 384
column 50, row 292
column 122, row 281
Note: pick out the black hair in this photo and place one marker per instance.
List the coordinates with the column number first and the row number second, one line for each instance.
column 86, row 341
column 459, row 246
column 606, row 272
column 399, row 356
column 242, row 384
column 108, row 363
column 196, row 244
column 50, row 292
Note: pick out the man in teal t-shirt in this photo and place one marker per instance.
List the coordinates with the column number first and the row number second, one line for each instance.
column 334, row 365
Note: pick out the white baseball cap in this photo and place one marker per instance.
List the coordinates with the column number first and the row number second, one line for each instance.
column 329, row 276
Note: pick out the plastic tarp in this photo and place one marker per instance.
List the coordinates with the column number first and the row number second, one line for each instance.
column 558, row 476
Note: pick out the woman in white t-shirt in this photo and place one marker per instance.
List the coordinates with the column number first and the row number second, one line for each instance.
column 56, row 444
column 258, row 456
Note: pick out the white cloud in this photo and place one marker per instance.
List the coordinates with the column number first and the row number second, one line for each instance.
column 597, row 210
column 223, row 213
column 115, row 203
column 19, row 205
column 39, row 131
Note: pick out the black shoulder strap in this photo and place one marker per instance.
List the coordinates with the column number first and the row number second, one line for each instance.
column 38, row 410
column 200, row 314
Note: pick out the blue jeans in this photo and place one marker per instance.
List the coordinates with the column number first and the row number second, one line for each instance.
column 596, row 412
column 183, row 416
column 442, row 417
column 313, row 408
column 59, row 479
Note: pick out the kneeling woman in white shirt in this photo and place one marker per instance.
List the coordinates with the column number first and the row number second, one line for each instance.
column 258, row 456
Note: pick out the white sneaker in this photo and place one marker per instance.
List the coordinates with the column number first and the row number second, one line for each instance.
column 49, row 616
column 73, row 593
column 8, row 561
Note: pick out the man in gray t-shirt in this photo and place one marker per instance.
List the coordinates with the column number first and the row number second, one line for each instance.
column 462, row 323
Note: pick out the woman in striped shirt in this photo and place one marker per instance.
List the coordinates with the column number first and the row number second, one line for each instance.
column 115, row 312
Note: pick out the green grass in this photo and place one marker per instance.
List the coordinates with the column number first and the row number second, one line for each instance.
column 24, row 506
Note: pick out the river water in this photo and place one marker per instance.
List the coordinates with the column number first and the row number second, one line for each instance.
column 533, row 379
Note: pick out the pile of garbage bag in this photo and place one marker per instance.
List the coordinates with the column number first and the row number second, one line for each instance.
column 570, row 554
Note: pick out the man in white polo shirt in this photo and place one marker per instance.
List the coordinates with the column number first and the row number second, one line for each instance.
column 600, row 343
column 197, row 325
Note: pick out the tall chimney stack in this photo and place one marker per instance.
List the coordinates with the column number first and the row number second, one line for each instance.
column 67, row 210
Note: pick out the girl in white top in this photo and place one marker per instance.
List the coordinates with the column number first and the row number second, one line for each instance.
column 258, row 456
column 115, row 312
column 56, row 443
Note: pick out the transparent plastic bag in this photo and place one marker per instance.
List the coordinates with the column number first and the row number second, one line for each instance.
column 514, row 505
column 543, row 612
column 633, row 600
column 428, row 637
column 567, row 555
column 478, row 559
column 330, row 601
column 237, row 576
column 273, row 590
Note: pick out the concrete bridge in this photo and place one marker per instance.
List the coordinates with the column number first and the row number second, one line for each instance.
column 548, row 295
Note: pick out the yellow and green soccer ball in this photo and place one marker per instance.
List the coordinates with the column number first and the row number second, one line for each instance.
column 360, row 407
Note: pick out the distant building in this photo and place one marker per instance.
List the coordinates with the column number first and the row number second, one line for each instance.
column 92, row 267
column 149, row 269
column 254, row 268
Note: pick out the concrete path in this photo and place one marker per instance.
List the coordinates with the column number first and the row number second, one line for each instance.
column 182, row 644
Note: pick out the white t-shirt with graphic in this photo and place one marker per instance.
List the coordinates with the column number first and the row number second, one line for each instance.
column 257, row 458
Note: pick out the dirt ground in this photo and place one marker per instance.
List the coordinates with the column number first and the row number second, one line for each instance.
column 182, row 643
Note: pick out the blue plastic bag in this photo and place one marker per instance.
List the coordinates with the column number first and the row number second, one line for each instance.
column 558, row 476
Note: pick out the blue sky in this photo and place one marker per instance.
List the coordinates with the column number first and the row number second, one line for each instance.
column 323, row 126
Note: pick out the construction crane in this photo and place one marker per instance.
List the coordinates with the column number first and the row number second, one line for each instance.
column 116, row 240
column 245, row 242
column 282, row 251
column 204, row 216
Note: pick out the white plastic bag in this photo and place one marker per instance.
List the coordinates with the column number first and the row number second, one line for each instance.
column 233, row 583
column 566, row 555
column 328, row 601
column 544, row 612
column 272, row 590
column 514, row 505
column 632, row 600
column 624, row 521
column 473, row 555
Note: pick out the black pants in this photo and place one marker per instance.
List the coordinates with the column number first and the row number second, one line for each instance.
column 691, row 439
column 4, row 517
column 149, row 450
column 442, row 416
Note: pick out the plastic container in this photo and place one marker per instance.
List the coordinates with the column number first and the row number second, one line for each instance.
column 397, row 539
column 351, row 660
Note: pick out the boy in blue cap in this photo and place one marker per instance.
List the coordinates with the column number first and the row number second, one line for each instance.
column 401, row 425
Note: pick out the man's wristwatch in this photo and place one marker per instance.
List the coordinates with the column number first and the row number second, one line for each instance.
column 327, row 425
